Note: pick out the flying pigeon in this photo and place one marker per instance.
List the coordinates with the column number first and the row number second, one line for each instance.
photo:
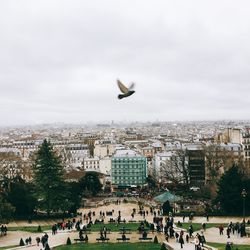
column 126, row 91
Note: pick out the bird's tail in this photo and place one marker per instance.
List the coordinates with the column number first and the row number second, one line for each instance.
column 120, row 96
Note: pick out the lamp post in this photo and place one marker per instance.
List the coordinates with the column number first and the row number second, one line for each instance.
column 244, row 194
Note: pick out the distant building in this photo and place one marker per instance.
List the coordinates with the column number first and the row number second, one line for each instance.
column 75, row 154
column 196, row 165
column 232, row 135
column 105, row 165
column 104, row 148
column 91, row 164
column 158, row 162
column 246, row 144
column 148, row 152
column 128, row 168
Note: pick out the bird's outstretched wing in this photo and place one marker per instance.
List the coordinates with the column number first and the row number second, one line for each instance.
column 122, row 87
column 132, row 85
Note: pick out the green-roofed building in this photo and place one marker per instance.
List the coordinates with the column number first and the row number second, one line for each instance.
column 167, row 196
column 128, row 169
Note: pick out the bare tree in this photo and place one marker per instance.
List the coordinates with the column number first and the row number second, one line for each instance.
column 218, row 160
column 10, row 165
column 175, row 169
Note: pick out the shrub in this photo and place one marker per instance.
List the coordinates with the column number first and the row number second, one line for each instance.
column 39, row 229
column 68, row 241
column 21, row 243
column 156, row 240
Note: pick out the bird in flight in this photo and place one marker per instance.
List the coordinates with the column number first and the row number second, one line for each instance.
column 126, row 91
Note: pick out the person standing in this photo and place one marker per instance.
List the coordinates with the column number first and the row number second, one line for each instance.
column 221, row 229
column 202, row 239
column 190, row 230
column 196, row 242
column 181, row 241
column 228, row 246
column 228, row 232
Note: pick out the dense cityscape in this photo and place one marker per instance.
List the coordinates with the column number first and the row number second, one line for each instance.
column 178, row 168
column 95, row 147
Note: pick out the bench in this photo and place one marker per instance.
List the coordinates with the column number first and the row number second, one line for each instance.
column 102, row 240
column 81, row 240
column 145, row 239
column 132, row 221
column 122, row 239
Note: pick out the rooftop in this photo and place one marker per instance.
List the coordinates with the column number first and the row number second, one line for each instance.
column 126, row 153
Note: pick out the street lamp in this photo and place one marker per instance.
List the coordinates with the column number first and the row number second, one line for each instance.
column 244, row 194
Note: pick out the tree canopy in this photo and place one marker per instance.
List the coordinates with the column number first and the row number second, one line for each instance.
column 48, row 179
column 229, row 191
column 6, row 210
column 90, row 184
column 20, row 195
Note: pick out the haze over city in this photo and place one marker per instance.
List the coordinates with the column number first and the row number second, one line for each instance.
column 60, row 60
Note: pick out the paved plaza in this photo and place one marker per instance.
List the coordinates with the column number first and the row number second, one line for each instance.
column 211, row 234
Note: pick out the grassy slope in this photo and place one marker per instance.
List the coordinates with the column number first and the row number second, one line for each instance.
column 221, row 246
column 31, row 229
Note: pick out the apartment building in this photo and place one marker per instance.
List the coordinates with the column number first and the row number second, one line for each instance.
column 128, row 168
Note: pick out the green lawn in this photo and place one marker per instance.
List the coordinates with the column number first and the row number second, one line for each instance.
column 94, row 228
column 111, row 246
column 31, row 229
column 114, row 227
column 197, row 226
column 221, row 246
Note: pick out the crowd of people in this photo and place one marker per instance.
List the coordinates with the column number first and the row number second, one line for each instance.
column 63, row 226
column 160, row 224
column 234, row 228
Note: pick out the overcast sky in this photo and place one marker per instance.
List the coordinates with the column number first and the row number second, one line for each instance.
column 59, row 60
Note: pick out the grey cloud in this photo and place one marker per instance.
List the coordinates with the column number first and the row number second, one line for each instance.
column 60, row 60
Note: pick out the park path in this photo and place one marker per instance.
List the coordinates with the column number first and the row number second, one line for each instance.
column 211, row 234
column 126, row 209
column 61, row 238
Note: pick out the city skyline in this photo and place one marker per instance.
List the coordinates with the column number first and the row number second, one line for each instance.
column 60, row 61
